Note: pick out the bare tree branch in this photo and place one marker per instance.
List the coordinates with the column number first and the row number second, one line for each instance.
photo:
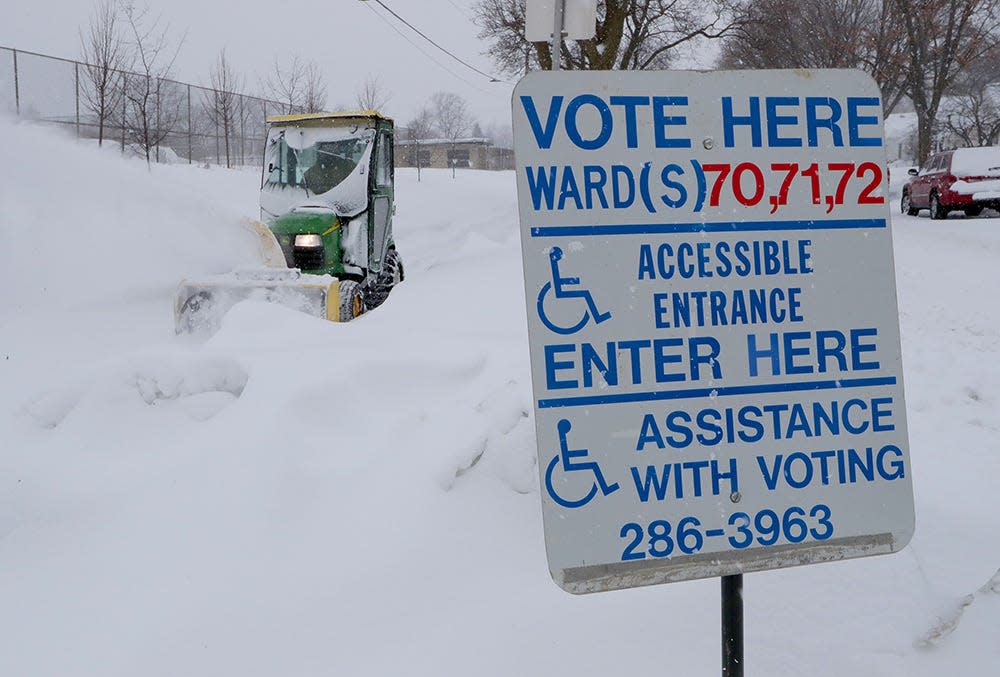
column 285, row 84
column 372, row 95
column 422, row 125
column 298, row 86
column 451, row 115
column 224, row 108
column 153, row 110
column 630, row 34
column 103, row 50
column 942, row 38
column 314, row 89
column 974, row 117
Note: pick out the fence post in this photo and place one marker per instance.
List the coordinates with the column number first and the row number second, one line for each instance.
column 17, row 87
column 190, row 134
column 263, row 140
column 124, row 105
column 243, row 136
column 159, row 82
column 218, row 156
column 76, row 72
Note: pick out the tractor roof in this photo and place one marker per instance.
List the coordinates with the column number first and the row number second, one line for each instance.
column 319, row 118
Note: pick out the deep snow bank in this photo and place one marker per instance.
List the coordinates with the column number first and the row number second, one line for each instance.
column 81, row 226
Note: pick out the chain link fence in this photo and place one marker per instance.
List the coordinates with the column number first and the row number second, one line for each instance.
column 179, row 122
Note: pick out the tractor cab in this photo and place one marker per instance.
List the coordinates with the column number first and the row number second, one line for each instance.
column 327, row 195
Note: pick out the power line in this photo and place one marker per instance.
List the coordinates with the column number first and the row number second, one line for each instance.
column 428, row 39
column 461, row 9
column 424, row 52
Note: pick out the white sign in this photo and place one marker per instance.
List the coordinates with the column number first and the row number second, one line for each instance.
column 712, row 319
column 579, row 20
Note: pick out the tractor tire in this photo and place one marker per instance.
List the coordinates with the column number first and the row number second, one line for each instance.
column 973, row 212
column 352, row 300
column 938, row 210
column 391, row 275
column 394, row 265
column 906, row 207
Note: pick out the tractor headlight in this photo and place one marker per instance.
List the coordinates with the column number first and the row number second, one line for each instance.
column 310, row 241
column 308, row 252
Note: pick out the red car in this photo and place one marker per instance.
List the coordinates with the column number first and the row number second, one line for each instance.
column 967, row 179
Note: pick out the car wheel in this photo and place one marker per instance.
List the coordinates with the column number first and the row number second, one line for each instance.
column 938, row 210
column 352, row 300
column 906, row 207
column 973, row 212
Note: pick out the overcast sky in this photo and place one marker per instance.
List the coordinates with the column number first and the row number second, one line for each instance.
column 349, row 39
column 345, row 37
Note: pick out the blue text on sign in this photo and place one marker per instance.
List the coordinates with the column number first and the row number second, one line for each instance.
column 771, row 121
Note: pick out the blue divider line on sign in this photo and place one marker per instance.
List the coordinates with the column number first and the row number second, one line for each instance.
column 690, row 393
column 715, row 227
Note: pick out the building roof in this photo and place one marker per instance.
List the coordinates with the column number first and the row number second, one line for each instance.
column 317, row 117
column 482, row 141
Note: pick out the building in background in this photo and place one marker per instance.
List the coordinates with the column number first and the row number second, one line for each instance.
column 470, row 153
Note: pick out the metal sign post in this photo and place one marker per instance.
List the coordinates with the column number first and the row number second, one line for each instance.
column 732, row 626
column 712, row 326
column 552, row 21
column 557, row 33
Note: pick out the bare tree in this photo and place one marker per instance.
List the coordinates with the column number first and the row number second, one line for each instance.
column 450, row 114
column 152, row 108
column 103, row 51
column 502, row 23
column 631, row 34
column 942, row 36
column 980, row 73
column 452, row 119
column 885, row 58
column 314, row 89
column 419, row 128
column 800, row 34
column 298, row 86
column 285, row 84
column 864, row 34
column 974, row 117
column 913, row 48
column 372, row 95
column 224, row 109
column 970, row 113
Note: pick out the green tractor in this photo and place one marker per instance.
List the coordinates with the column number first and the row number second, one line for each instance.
column 326, row 204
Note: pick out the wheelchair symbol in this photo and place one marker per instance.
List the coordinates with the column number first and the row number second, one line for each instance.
column 566, row 455
column 558, row 286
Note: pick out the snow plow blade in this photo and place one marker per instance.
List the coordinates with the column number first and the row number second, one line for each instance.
column 200, row 306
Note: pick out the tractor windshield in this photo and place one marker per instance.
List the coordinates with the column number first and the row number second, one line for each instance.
column 316, row 159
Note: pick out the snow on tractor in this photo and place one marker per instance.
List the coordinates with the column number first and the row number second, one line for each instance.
column 326, row 206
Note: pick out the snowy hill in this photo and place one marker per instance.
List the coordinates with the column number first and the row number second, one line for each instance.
column 296, row 497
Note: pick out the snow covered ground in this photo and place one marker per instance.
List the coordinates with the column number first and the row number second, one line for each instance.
column 295, row 497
